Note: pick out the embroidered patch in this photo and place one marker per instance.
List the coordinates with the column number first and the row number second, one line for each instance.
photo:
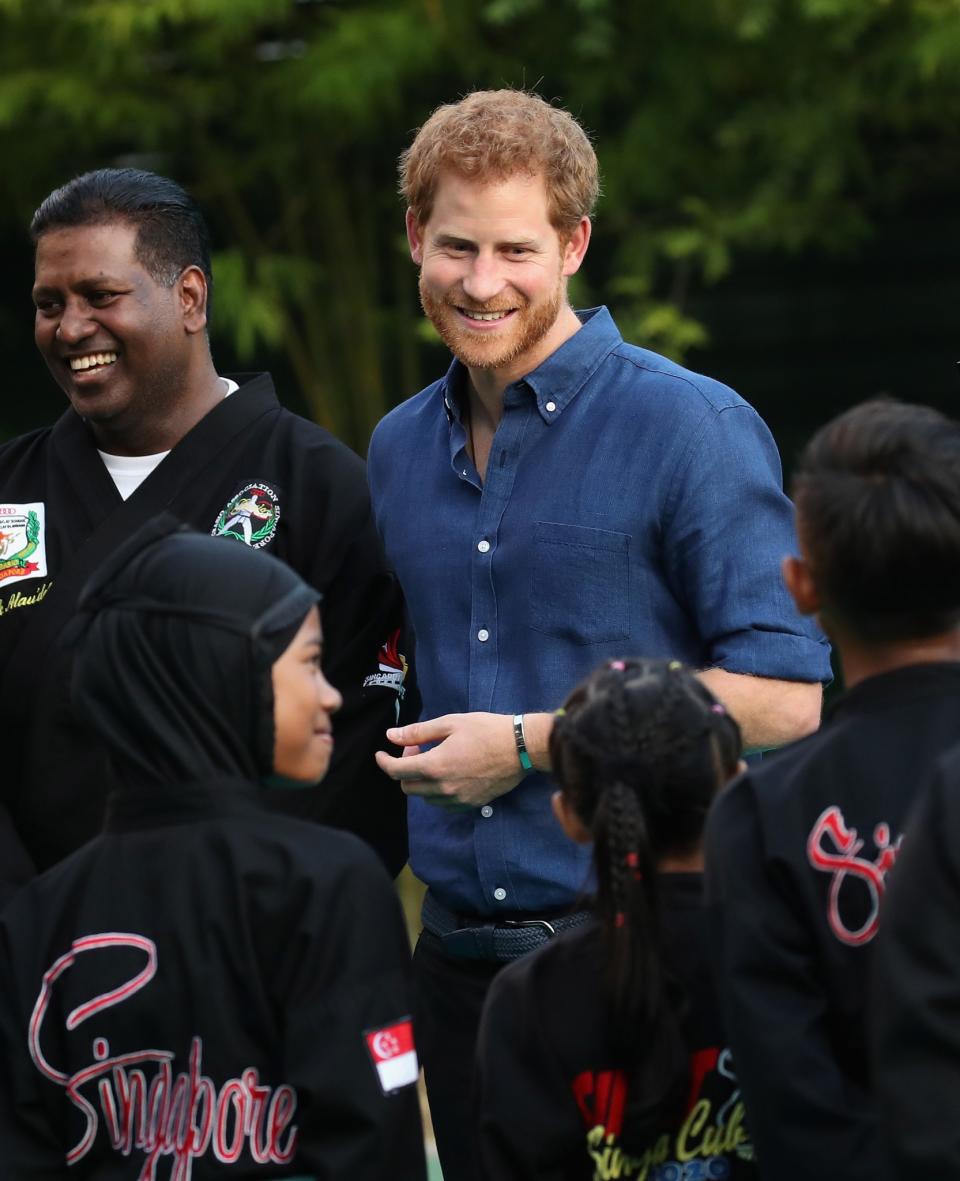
column 251, row 516
column 394, row 1054
column 23, row 549
column 393, row 667
column 393, row 670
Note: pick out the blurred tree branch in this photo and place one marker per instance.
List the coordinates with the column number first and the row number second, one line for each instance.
column 723, row 126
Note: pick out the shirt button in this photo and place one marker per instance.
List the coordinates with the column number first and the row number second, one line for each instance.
column 483, row 635
column 483, row 546
column 499, row 893
column 550, row 407
column 486, row 811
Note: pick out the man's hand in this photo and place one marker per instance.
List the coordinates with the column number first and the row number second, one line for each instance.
column 475, row 759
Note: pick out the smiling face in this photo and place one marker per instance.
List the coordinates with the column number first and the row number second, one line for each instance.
column 303, row 703
column 118, row 343
column 493, row 271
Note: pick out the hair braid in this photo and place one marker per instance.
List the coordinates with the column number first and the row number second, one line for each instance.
column 639, row 750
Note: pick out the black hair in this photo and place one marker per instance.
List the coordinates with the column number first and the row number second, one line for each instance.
column 171, row 232
column 878, row 511
column 639, row 749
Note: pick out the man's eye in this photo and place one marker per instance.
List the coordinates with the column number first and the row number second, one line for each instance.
column 47, row 307
column 101, row 296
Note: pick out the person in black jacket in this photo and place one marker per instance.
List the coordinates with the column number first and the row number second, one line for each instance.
column 122, row 292
column 799, row 848
column 208, row 988
column 602, row 1054
column 916, row 995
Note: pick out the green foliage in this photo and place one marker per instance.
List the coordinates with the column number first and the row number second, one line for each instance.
column 252, row 294
column 723, row 127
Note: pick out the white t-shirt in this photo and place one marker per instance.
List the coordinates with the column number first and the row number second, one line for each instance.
column 129, row 471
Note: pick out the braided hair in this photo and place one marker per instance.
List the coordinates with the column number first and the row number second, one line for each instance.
column 639, row 749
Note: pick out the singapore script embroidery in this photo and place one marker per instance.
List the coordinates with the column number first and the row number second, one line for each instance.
column 843, row 862
column 180, row 1115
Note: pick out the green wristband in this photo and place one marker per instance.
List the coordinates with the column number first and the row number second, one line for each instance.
column 521, row 740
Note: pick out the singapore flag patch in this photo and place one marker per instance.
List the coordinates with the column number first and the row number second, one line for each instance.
column 393, row 1054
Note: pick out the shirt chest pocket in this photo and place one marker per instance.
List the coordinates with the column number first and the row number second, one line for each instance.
column 580, row 584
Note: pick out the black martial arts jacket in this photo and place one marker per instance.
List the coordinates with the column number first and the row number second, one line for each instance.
column 916, row 998
column 207, row 990
column 798, row 851
column 61, row 515
column 551, row 1091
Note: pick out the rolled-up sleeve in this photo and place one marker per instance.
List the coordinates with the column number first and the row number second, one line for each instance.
column 727, row 529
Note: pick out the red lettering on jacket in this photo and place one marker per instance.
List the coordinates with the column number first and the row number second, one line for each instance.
column 180, row 1115
column 701, row 1063
column 843, row 862
column 602, row 1097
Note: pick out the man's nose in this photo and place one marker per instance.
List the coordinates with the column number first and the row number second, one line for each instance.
column 484, row 279
column 75, row 324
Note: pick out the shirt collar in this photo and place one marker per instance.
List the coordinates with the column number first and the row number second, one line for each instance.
column 557, row 380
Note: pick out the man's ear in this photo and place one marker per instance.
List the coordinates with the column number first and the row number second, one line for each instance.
column 801, row 585
column 415, row 238
column 576, row 247
column 569, row 821
column 192, row 289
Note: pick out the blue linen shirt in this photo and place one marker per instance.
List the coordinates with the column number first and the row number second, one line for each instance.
column 629, row 508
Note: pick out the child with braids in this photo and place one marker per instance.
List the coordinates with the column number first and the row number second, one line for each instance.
column 602, row 1054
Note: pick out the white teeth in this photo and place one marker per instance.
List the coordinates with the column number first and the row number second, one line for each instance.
column 90, row 360
column 485, row 315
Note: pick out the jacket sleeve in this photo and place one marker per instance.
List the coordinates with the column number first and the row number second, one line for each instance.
column 29, row 1145
column 342, row 978
column 916, row 1016
column 529, row 1128
column 807, row 1120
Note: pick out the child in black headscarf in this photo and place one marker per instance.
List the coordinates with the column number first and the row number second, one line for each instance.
column 208, row 988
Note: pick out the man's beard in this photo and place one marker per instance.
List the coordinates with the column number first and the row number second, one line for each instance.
column 528, row 326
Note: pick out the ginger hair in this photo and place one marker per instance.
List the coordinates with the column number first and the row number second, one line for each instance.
column 492, row 135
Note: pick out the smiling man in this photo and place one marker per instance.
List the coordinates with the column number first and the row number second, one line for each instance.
column 559, row 498
column 122, row 296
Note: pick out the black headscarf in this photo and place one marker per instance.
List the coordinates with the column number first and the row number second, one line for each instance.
column 175, row 642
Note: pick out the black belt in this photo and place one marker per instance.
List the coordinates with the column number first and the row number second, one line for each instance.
column 493, row 939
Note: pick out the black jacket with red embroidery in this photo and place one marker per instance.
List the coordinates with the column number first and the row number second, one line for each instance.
column 313, row 512
column 798, row 849
column 207, row 990
column 916, row 998
column 550, row 1090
